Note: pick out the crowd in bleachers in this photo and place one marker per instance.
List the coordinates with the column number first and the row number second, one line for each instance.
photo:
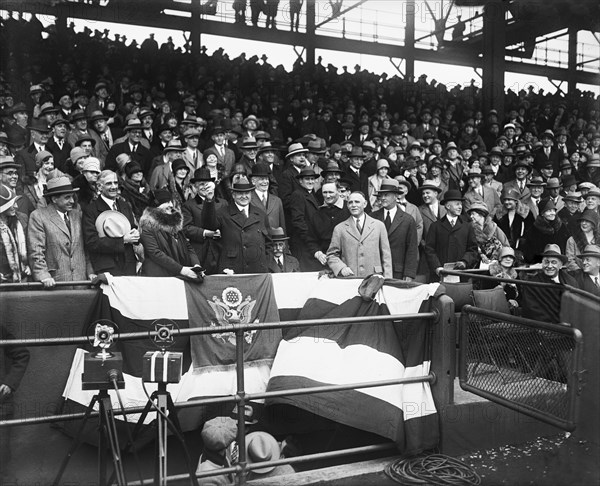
column 180, row 147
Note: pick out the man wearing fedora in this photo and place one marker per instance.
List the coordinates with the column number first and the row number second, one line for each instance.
column 57, row 144
column 110, row 245
column 536, row 188
column 55, row 235
column 192, row 154
column 81, row 128
column 249, row 149
column 451, row 238
column 553, row 187
column 205, row 242
column 25, row 158
column 260, row 177
column 359, row 246
column 162, row 165
column 101, row 127
column 9, row 176
column 519, row 182
column 588, row 278
column 289, row 183
column 359, row 180
column 303, row 206
column 17, row 132
column 431, row 211
column 401, row 231
column 547, row 153
column 225, row 156
column 279, row 259
column 243, row 227
column 543, row 303
column 478, row 193
column 132, row 146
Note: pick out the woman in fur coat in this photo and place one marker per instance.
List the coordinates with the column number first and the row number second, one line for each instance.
column 167, row 252
column 587, row 233
column 547, row 229
column 490, row 238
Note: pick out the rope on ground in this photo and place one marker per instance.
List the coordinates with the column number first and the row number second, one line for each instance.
column 434, row 469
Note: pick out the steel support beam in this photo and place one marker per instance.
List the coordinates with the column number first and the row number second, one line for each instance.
column 195, row 28
column 409, row 40
column 494, row 42
column 310, row 35
column 572, row 61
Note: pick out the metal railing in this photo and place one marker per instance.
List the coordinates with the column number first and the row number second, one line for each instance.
column 241, row 468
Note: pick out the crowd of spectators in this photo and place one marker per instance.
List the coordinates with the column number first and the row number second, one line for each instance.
column 132, row 159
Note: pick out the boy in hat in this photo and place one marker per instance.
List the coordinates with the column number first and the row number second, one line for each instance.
column 55, row 235
column 451, row 238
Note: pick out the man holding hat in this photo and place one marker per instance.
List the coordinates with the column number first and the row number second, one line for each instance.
column 359, row 246
column 55, row 235
column 25, row 158
column 279, row 260
column 543, row 303
column 588, row 278
column 451, row 238
column 244, row 230
column 132, row 146
column 401, row 231
column 109, row 229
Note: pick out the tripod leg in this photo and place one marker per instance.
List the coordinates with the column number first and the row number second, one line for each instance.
column 110, row 429
column 175, row 427
column 161, row 424
column 76, row 441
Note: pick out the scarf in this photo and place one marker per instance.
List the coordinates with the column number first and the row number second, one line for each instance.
column 547, row 227
column 15, row 248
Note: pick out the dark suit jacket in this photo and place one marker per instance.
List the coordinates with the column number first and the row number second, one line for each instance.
column 60, row 155
column 243, row 240
column 445, row 244
column 290, row 264
column 358, row 183
column 541, row 159
column 26, row 160
column 274, row 209
column 584, row 282
column 142, row 156
column 108, row 254
column 287, row 185
column 303, row 206
column 402, row 236
column 543, row 303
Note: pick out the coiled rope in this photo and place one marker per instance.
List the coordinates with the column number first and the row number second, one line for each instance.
column 434, row 469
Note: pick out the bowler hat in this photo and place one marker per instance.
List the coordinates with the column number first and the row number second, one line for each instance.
column 452, row 195
column 242, row 185
column 7, row 198
column 112, row 224
column 389, row 186
column 306, row 173
column 278, row 234
column 591, row 251
column 553, row 250
column 260, row 170
column 59, row 185
column 202, row 175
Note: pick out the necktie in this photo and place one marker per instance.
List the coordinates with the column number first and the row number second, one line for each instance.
column 105, row 138
column 60, row 144
column 264, row 200
column 359, row 226
column 388, row 221
column 115, row 207
column 280, row 264
column 134, row 148
column 596, row 281
column 68, row 222
column 452, row 222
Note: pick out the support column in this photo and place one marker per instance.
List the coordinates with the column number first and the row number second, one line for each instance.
column 494, row 66
column 572, row 86
column 195, row 32
column 409, row 40
column 310, row 35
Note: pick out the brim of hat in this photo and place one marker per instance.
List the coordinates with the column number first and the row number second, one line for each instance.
column 247, row 188
column 593, row 255
column 103, row 216
column 388, row 191
column 202, row 179
column 60, row 191
column 427, row 186
column 248, row 147
column 279, row 238
column 9, row 204
column 445, row 200
column 299, row 151
column 9, row 165
column 563, row 258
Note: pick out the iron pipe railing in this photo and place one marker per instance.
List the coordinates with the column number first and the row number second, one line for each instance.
column 229, row 328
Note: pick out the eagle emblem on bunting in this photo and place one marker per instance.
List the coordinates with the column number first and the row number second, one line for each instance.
column 232, row 309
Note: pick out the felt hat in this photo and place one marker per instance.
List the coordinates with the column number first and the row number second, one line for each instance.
column 474, row 172
column 59, row 121
column 452, row 195
column 506, row 251
column 76, row 154
column 132, row 168
column 487, row 169
column 546, row 205
column 591, row 251
column 522, row 163
column 495, row 151
column 568, row 180
column 260, row 170
column 82, row 137
column 589, row 215
column 553, row 250
column 248, row 143
column 536, row 181
column 112, row 224
column 306, row 173
column 553, row 183
column 242, row 185
column 48, row 107
column 39, row 125
column 8, row 162
column 249, row 118
column 314, row 147
column 356, row 152
column 278, row 234
column 296, row 148
column 41, row 157
column 594, row 161
column 202, row 175
column 133, row 124
column 479, row 207
column 429, row 184
column 191, row 132
column 267, row 147
column 262, row 135
column 382, row 163
column 451, row 145
column 59, row 185
column 179, row 164
column 7, row 198
column 510, row 193
column 78, row 115
column 91, row 164
column 173, row 146
column 18, row 108
column 217, row 129
column 594, row 191
column 389, row 186
column 97, row 115
column 368, row 145
column 573, row 196
column 161, row 196
column 402, row 181
column 261, row 447
column 332, row 166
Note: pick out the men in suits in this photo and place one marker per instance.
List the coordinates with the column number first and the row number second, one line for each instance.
column 588, row 278
column 262, row 199
column 192, row 156
column 164, row 134
column 431, row 211
column 408, row 207
column 131, row 146
column 278, row 259
column 303, row 205
column 547, row 154
column 479, row 193
column 553, row 187
column 536, row 188
column 244, row 230
column 40, row 133
column 401, row 231
column 451, row 238
column 519, row 183
column 55, row 236
column 225, row 156
column 359, row 181
column 110, row 246
column 104, row 132
column 205, row 242
column 160, row 169
column 359, row 246
column 289, row 181
column 79, row 119
column 58, row 146
column 453, row 169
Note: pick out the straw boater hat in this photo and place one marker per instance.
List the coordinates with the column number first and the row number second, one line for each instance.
column 553, row 250
column 112, row 224
column 7, row 198
column 58, row 186
column 296, row 148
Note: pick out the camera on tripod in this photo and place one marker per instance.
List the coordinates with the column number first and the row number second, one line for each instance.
column 102, row 369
